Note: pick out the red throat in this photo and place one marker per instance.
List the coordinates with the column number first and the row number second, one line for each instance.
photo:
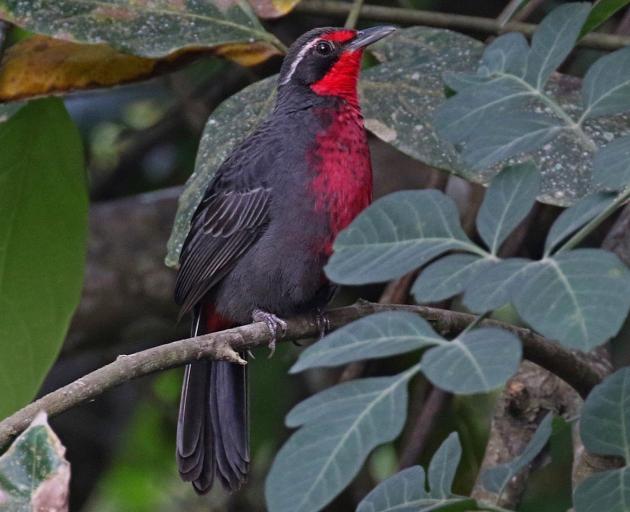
column 341, row 80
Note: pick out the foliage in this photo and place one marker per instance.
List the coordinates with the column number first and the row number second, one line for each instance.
column 405, row 491
column 34, row 474
column 605, row 430
column 43, row 220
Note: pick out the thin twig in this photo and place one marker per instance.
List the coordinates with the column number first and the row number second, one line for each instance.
column 447, row 20
column 568, row 365
column 353, row 15
column 435, row 403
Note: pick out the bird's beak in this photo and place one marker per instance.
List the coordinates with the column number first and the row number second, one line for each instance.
column 369, row 36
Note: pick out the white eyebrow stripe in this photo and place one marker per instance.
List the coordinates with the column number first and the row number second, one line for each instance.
column 299, row 58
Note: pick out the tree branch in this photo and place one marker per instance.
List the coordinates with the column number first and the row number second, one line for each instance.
column 446, row 20
column 570, row 366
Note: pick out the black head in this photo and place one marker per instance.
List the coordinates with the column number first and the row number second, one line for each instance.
column 322, row 51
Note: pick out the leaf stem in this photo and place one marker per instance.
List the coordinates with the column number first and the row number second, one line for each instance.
column 623, row 196
column 353, row 15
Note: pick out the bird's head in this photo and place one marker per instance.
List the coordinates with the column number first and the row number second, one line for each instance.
column 328, row 60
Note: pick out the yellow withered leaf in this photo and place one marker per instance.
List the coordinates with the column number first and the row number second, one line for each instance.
column 273, row 8
column 41, row 66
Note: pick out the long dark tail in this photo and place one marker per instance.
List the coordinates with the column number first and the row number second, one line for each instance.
column 212, row 428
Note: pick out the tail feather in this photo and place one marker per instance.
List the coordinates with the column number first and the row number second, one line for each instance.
column 212, row 428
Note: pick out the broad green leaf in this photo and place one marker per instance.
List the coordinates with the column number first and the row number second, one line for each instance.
column 579, row 298
column 343, row 425
column 475, row 362
column 491, row 288
column 228, row 125
column 462, row 114
column 405, row 491
column 508, row 200
column 496, row 478
column 380, row 335
column 448, row 276
column 443, row 467
column 605, row 430
column 34, row 475
column 396, row 234
column 602, row 11
column 573, row 218
column 606, row 86
column 605, row 419
column 507, row 53
column 147, row 29
column 553, row 40
column 500, row 140
column 43, row 221
column 399, row 96
column 459, row 81
column 611, row 166
column 608, row 490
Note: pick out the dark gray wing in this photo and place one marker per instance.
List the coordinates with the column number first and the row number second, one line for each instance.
column 224, row 227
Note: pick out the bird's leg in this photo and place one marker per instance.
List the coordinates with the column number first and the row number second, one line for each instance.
column 276, row 326
column 322, row 322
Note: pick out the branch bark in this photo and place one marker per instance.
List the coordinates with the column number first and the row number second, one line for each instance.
column 453, row 21
column 224, row 345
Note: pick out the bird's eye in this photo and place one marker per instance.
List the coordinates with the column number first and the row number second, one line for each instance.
column 324, row 48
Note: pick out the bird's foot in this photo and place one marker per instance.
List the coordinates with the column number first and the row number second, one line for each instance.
column 322, row 322
column 276, row 326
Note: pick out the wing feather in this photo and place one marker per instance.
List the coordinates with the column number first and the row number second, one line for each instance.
column 224, row 227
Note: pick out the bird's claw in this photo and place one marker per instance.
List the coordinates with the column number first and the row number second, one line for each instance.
column 276, row 327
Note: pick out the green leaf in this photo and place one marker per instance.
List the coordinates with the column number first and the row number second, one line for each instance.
column 443, row 467
column 579, row 298
column 448, row 276
column 343, row 425
column 611, row 166
column 602, row 11
column 573, row 218
column 405, row 491
column 461, row 115
column 553, row 41
column 491, row 288
column 606, row 86
column 148, row 29
column 505, row 136
column 396, row 234
column 496, row 478
column 605, row 430
column 228, row 125
column 34, row 475
column 506, row 54
column 380, row 335
column 43, row 221
column 476, row 361
column 508, row 200
column 605, row 419
column 608, row 490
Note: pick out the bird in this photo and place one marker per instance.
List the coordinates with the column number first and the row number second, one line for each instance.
column 262, row 234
